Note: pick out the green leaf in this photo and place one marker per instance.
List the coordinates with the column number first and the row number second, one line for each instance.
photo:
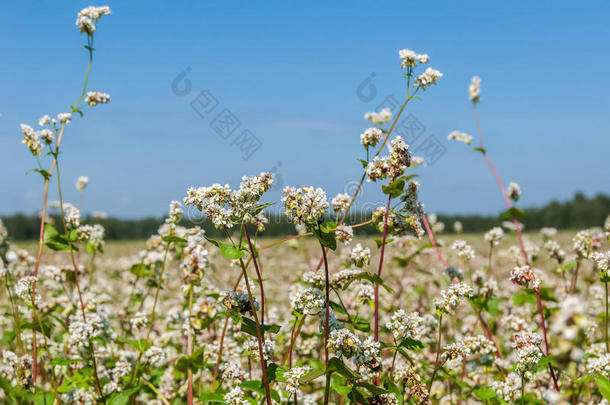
column 249, row 326
column 53, row 240
column 513, row 212
column 479, row 149
column 141, row 270
column 326, row 238
column 342, row 390
column 312, row 375
column 395, row 188
column 336, row 364
column 216, row 397
column 172, row 239
column 604, row 386
column 544, row 362
column 122, row 398
column 364, row 163
column 228, row 251
column 372, row 277
column 484, row 393
column 47, row 326
column 141, row 345
column 411, row 344
column 191, row 362
column 379, row 241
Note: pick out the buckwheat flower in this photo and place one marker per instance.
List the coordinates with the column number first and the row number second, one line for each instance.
column 383, row 399
column 340, row 203
column 82, row 182
column 233, row 372
column 378, row 218
column 367, row 354
column 154, row 356
column 411, row 58
column 304, row 205
column 599, row 365
column 451, row 297
column 343, row 342
column 555, row 251
column 403, row 325
column 342, row 278
column 427, row 79
column 374, row 117
column 509, row 389
column 602, row 261
column 95, row 97
column 455, row 351
column 293, row 378
column 406, row 374
column 237, row 301
column 309, row 301
column 360, row 256
column 385, row 114
column 525, row 277
column 235, row 396
column 365, row 293
column 31, row 139
column 463, row 249
column 139, row 321
column 474, row 91
column 251, row 346
column 514, row 323
column 460, row 137
column 64, row 118
column 3, row 233
column 44, row 120
column 417, row 161
column 175, row 213
column 344, row 233
column 23, row 289
column 72, row 216
column 494, row 235
column 370, row 137
column 528, row 353
column 47, row 136
column 513, row 191
column 87, row 18
column 582, row 243
column 548, row 232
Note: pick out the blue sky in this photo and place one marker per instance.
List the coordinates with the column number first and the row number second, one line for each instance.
column 290, row 72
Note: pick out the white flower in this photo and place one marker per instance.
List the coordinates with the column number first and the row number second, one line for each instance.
column 340, row 202
column 513, row 191
column 460, row 137
column 494, row 235
column 370, row 137
column 474, row 91
column 304, row 205
column 87, row 17
column 82, row 182
column 64, row 118
column 95, row 97
column 525, row 277
column 428, row 78
column 411, row 59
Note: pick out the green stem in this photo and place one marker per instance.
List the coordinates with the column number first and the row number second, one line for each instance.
column 606, row 318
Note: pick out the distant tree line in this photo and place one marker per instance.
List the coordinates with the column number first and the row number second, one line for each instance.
column 579, row 212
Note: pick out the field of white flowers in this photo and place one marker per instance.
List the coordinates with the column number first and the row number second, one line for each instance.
column 318, row 317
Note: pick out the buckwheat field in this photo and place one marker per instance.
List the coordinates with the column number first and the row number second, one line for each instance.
column 324, row 315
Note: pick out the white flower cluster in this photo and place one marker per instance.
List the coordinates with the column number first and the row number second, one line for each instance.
column 367, row 355
column 343, row 342
column 601, row 260
column 555, row 251
column 525, row 277
column 463, row 249
column 404, row 325
column 344, row 233
column 359, row 256
column 237, row 301
column 23, row 289
column 251, row 346
column 95, row 97
column 451, row 297
column 194, row 263
column 411, row 58
column 293, row 378
column 154, row 356
column 72, row 215
column 233, row 372
column 224, row 207
column 139, row 321
column 309, row 301
column 513, row 191
column 474, row 90
column 494, row 235
column 428, row 78
column 370, row 137
column 81, row 183
column 87, row 18
column 392, row 165
column 94, row 234
column 509, row 389
column 340, row 202
column 583, row 243
column 379, row 118
column 235, row 396
column 528, row 353
column 17, row 370
column 304, row 205
column 599, row 365
column 460, row 137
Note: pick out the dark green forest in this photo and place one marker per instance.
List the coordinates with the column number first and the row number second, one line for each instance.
column 579, row 212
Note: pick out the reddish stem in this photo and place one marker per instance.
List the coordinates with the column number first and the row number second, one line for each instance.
column 433, row 241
